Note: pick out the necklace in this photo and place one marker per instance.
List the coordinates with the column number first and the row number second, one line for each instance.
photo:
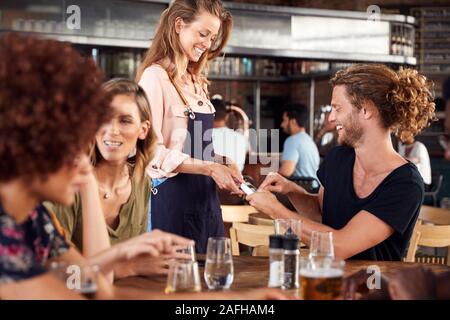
column 109, row 194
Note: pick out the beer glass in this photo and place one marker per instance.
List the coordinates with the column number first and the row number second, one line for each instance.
column 321, row 281
column 219, row 269
column 183, row 277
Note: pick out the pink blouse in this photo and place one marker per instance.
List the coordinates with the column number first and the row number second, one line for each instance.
column 169, row 120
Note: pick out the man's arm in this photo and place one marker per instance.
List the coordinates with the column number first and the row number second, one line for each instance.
column 287, row 168
column 362, row 232
column 307, row 204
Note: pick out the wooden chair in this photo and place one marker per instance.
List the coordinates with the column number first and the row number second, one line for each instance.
column 260, row 219
column 254, row 236
column 436, row 236
column 434, row 215
column 239, row 213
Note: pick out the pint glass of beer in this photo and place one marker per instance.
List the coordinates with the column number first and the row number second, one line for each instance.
column 321, row 281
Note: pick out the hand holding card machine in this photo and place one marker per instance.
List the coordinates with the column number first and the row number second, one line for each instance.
column 248, row 188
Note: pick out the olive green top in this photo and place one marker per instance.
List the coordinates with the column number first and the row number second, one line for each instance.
column 133, row 216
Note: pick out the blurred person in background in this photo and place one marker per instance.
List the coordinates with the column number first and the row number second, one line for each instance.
column 326, row 137
column 416, row 152
column 226, row 141
column 300, row 157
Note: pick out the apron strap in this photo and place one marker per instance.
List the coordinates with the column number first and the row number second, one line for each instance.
column 180, row 93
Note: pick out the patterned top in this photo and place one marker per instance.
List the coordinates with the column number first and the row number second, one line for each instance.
column 25, row 248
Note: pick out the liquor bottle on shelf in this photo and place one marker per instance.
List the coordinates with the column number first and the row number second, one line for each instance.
column 394, row 44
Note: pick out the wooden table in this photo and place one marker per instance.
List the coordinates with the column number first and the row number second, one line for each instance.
column 253, row 272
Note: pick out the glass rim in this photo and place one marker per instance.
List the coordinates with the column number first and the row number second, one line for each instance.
column 333, row 262
column 218, row 238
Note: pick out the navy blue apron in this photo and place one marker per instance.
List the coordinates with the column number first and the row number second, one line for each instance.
column 188, row 204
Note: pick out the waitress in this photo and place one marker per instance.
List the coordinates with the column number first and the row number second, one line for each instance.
column 185, row 170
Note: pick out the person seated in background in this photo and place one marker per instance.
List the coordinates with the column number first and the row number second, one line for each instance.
column 370, row 196
column 118, row 191
column 416, row 152
column 300, row 157
column 51, row 107
column 228, row 142
column 326, row 137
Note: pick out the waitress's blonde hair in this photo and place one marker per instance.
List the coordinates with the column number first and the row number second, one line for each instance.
column 145, row 149
column 166, row 43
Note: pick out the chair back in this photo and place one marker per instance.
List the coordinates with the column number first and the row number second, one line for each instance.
column 436, row 236
column 255, row 236
column 236, row 213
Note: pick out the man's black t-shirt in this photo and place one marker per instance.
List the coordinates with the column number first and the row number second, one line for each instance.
column 396, row 201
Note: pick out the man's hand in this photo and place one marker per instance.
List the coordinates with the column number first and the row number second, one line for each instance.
column 275, row 182
column 265, row 202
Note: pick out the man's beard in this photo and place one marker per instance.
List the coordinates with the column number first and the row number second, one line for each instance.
column 353, row 133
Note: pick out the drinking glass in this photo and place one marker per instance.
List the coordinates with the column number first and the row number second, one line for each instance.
column 81, row 278
column 219, row 269
column 89, row 281
column 321, row 281
column 288, row 226
column 321, row 246
column 183, row 277
column 186, row 253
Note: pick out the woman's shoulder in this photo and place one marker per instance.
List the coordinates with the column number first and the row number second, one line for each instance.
column 154, row 71
column 142, row 186
column 63, row 212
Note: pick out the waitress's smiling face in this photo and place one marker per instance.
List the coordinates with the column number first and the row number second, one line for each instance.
column 198, row 36
column 117, row 138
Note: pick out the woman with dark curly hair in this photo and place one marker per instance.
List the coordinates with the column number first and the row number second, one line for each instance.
column 370, row 196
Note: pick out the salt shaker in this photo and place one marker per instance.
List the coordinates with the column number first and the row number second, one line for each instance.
column 276, row 271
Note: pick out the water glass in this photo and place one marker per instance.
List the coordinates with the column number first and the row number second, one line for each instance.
column 321, row 246
column 183, row 277
column 219, row 269
column 288, row 226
